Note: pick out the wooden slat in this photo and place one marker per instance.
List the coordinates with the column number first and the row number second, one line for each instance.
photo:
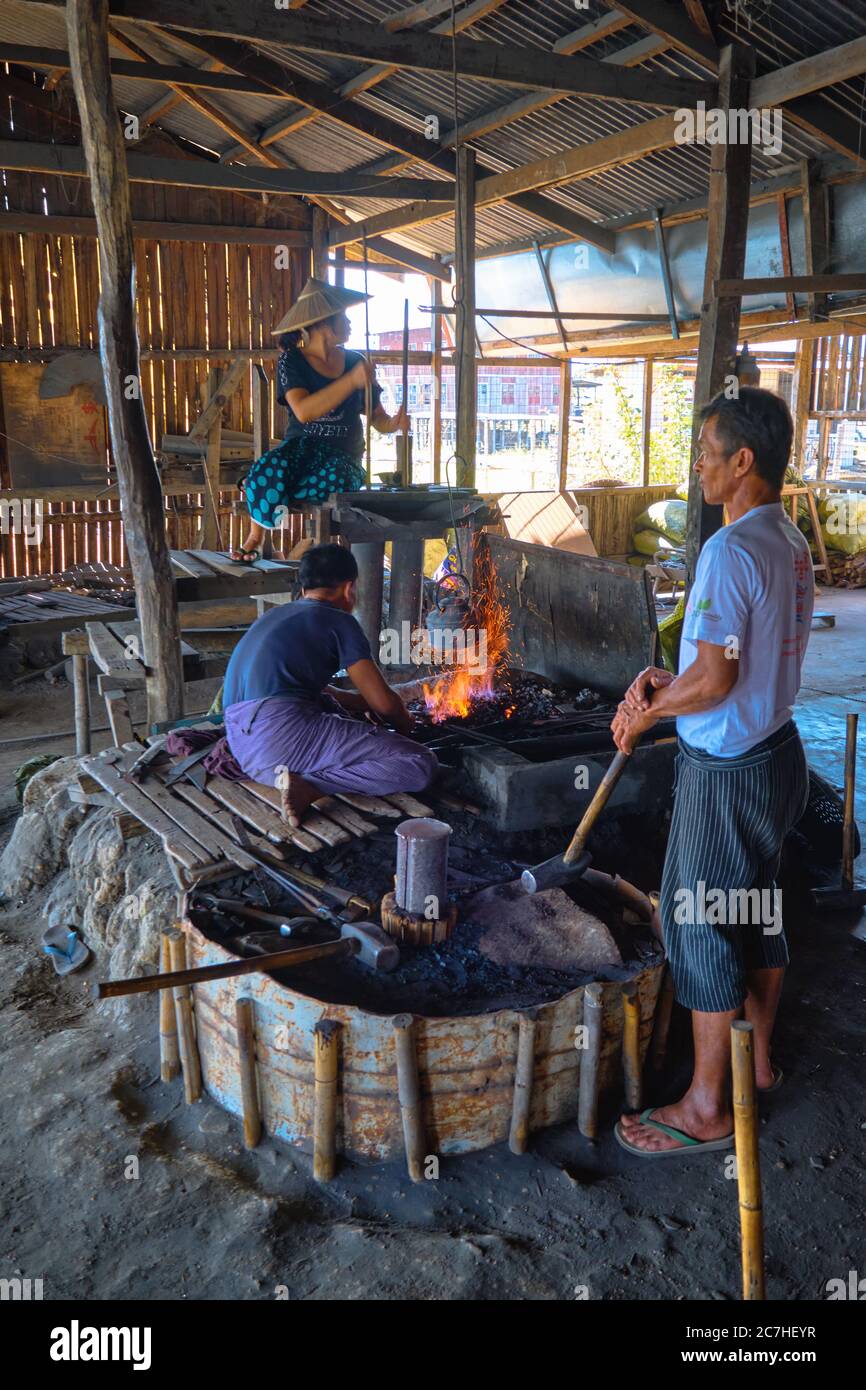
column 409, row 805
column 318, row 826
column 374, row 805
column 190, row 853
column 240, row 798
column 345, row 816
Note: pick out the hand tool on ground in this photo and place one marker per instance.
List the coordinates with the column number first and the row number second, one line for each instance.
column 846, row 897
column 191, row 768
column 368, row 943
column 236, row 907
column 309, row 898
column 142, row 765
column 565, row 868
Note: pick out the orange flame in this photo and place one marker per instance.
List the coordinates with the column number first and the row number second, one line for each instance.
column 454, row 696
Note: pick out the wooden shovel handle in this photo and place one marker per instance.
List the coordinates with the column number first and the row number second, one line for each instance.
column 595, row 807
column 277, row 960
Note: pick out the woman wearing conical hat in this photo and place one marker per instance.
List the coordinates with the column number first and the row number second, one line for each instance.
column 323, row 387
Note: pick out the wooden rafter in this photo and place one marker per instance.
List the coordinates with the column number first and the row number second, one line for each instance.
column 416, row 52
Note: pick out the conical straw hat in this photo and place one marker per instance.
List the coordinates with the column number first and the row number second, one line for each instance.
column 318, row 300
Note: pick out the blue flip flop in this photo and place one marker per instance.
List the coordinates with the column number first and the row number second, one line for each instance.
column 66, row 949
column 688, row 1144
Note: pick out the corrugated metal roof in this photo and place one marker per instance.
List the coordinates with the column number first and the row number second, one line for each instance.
column 781, row 34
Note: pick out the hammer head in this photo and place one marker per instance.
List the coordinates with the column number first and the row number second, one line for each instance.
column 372, row 946
column 554, row 873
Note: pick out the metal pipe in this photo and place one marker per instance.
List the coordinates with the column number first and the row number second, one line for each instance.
column 407, row 583
column 422, row 866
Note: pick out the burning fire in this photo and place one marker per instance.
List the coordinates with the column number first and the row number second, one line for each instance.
column 454, row 696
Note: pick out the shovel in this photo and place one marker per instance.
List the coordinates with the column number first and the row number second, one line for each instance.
column 565, row 868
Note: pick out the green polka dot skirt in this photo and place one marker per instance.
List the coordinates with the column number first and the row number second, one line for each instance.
column 299, row 472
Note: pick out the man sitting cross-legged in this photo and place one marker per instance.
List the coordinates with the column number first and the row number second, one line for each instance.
column 286, row 725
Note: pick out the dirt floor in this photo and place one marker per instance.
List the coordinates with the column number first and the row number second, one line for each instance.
column 114, row 1188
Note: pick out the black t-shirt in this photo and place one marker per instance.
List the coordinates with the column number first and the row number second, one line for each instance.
column 343, row 425
column 294, row 649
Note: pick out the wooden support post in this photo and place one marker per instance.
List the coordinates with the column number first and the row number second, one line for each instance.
column 117, row 708
column 210, row 537
column 746, row 1126
column 404, row 458
column 631, row 1063
column 185, row 1028
column 523, row 1075
column 169, row 1056
column 805, row 359
column 262, row 433
column 564, row 418
column 436, row 383
column 409, row 1093
column 81, row 695
column 647, row 420
column 138, row 478
column 816, row 226
column 319, row 250
column 326, row 1040
column 590, row 1060
column 727, row 226
column 246, row 1033
column 464, row 268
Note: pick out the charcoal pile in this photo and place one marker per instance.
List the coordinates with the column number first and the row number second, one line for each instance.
column 521, row 698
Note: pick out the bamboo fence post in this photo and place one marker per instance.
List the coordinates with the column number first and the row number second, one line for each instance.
column 590, row 1060
column 245, row 1027
column 664, row 1013
column 748, row 1161
column 523, row 1076
column 409, row 1093
column 326, row 1037
column 631, row 1045
column 186, row 1032
column 169, row 1056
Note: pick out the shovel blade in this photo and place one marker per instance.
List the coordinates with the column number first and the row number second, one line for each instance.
column 554, row 873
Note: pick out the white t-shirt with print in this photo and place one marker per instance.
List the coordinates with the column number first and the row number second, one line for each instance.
column 754, row 593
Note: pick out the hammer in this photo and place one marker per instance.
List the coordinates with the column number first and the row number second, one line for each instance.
column 565, row 868
column 368, row 942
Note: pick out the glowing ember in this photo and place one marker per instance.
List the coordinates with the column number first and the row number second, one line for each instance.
column 454, row 696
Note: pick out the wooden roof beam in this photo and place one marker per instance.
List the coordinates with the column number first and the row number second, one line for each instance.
column 424, row 52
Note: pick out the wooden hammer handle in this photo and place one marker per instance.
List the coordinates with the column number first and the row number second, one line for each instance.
column 277, row 960
column 595, row 807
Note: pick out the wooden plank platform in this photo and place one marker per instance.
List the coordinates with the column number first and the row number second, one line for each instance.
column 210, row 574
column 195, row 823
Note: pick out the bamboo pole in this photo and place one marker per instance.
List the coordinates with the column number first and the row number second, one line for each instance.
column 664, row 1013
column 523, row 1077
column 185, row 1028
column 409, row 1093
column 590, row 1058
column 849, row 822
column 748, row 1162
column 169, row 1056
column 245, row 1028
column 326, row 1037
column 631, row 1045
column 405, row 460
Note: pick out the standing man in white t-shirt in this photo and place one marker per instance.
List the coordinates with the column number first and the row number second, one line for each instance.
column 742, row 781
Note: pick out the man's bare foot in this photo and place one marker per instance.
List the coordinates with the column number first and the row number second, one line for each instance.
column 764, row 1073
column 297, row 796
column 684, row 1116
